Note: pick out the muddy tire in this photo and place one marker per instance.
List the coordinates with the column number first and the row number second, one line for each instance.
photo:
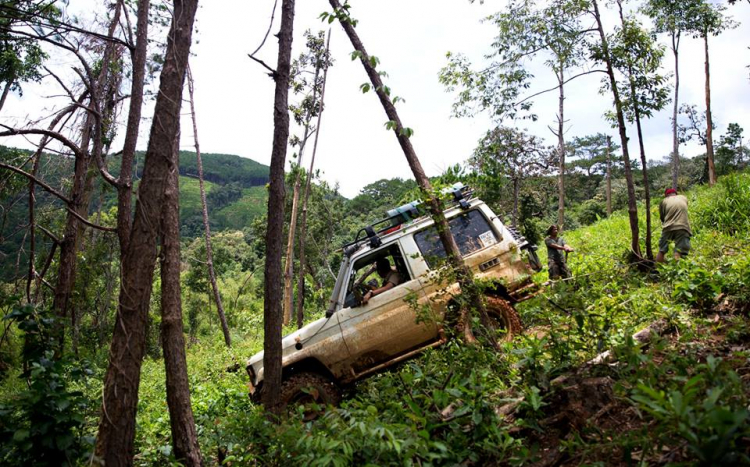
column 504, row 318
column 311, row 390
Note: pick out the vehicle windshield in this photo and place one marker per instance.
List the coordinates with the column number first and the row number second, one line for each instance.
column 471, row 230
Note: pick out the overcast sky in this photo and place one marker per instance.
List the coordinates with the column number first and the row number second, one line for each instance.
column 234, row 95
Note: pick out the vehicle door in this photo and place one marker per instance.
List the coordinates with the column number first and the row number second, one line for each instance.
column 388, row 325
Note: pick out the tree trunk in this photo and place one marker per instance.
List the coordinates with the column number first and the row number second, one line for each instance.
column 125, row 182
column 289, row 258
column 272, row 299
column 206, row 225
column 646, row 189
column 675, row 140
column 6, row 91
column 67, row 260
column 516, row 189
column 609, row 176
column 184, row 439
column 632, row 207
column 114, row 444
column 289, row 273
column 561, row 153
column 709, row 121
column 32, row 221
column 306, row 197
column 81, row 189
column 463, row 274
column 637, row 114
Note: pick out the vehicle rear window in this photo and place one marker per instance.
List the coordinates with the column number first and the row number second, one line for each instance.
column 471, row 231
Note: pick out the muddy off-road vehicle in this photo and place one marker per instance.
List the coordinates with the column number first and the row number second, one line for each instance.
column 357, row 339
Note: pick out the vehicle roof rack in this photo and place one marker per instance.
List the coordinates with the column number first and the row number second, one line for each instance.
column 459, row 193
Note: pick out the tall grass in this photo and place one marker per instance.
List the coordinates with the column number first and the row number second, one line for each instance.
column 726, row 207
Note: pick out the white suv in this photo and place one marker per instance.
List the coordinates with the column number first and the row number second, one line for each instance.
column 355, row 340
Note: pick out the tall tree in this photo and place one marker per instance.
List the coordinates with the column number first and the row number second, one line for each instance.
column 306, row 195
column 181, row 420
column 524, row 31
column 473, row 298
column 206, row 224
column 114, row 444
column 272, row 297
column 709, row 19
column 636, row 54
column 601, row 53
column 514, row 154
column 673, row 17
column 609, row 175
column 317, row 58
column 138, row 53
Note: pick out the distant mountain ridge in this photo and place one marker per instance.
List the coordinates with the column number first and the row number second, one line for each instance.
column 235, row 192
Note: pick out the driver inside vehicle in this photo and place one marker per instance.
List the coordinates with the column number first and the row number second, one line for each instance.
column 391, row 278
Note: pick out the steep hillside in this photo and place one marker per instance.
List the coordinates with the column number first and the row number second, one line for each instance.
column 679, row 398
column 225, row 168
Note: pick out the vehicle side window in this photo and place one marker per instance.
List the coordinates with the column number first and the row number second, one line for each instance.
column 471, row 231
column 366, row 276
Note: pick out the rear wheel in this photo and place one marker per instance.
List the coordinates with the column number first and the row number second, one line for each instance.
column 504, row 319
column 313, row 391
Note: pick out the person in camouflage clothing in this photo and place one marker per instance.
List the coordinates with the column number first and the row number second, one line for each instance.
column 555, row 257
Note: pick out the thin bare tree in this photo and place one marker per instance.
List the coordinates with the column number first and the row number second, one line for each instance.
column 206, row 225
column 632, row 206
column 472, row 299
column 306, row 197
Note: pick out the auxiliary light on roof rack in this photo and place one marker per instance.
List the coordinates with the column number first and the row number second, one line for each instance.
column 404, row 214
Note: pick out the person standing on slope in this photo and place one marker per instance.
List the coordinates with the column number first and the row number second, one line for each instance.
column 675, row 226
column 555, row 258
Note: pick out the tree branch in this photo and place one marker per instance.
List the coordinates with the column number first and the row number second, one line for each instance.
column 58, row 194
column 558, row 86
column 272, row 73
column 52, row 134
column 270, row 25
column 36, row 180
column 52, row 236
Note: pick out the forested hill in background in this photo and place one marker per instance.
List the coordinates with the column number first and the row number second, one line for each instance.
column 235, row 192
column 237, row 196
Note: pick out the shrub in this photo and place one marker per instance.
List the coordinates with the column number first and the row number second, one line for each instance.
column 706, row 412
column 693, row 284
column 725, row 209
column 42, row 424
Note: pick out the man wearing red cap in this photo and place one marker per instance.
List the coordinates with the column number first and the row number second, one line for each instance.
column 675, row 227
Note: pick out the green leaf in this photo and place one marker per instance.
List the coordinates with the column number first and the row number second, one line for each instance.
column 365, row 87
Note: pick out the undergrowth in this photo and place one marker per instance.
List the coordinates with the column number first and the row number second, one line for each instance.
column 682, row 398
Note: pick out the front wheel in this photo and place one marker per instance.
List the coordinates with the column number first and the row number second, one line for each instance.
column 504, row 319
column 313, row 391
